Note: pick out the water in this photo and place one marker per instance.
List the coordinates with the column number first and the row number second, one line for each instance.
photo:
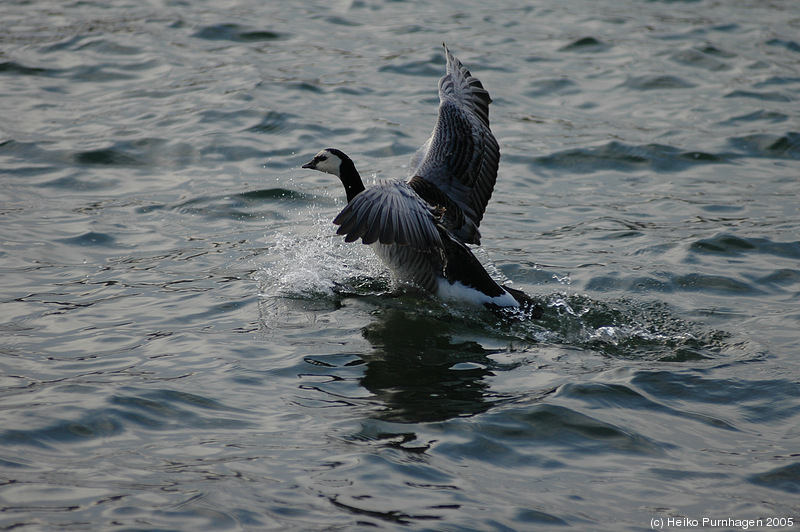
column 187, row 345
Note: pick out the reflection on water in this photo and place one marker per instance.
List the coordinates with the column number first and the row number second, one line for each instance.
column 420, row 374
column 430, row 362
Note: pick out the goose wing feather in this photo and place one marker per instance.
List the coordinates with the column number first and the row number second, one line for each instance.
column 462, row 155
column 389, row 213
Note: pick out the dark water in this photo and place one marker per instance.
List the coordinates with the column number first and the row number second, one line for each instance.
column 186, row 345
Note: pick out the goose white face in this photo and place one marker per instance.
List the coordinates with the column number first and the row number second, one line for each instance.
column 325, row 161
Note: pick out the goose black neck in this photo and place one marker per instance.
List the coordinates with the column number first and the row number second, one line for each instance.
column 351, row 179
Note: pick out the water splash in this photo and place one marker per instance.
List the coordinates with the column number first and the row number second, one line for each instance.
column 627, row 328
column 309, row 262
column 315, row 262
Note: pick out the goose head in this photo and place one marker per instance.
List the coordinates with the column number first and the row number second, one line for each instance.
column 329, row 161
column 336, row 162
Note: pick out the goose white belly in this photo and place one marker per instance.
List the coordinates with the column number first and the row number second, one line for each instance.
column 460, row 292
column 424, row 270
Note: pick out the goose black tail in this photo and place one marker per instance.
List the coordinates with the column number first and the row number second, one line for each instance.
column 527, row 306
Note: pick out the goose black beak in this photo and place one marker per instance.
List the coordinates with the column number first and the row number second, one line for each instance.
column 312, row 164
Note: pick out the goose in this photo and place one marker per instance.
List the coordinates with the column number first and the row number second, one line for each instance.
column 422, row 227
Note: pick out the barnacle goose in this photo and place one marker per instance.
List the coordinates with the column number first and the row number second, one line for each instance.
column 421, row 227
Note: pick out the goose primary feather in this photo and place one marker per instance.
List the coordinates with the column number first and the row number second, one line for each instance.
column 421, row 227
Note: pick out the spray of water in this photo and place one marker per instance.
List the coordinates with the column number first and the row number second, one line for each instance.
column 311, row 261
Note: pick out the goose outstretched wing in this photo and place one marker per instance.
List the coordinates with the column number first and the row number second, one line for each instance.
column 461, row 156
column 390, row 213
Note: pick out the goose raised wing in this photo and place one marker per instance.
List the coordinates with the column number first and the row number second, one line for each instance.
column 461, row 157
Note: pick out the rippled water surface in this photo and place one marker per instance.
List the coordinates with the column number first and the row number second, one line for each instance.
column 187, row 345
